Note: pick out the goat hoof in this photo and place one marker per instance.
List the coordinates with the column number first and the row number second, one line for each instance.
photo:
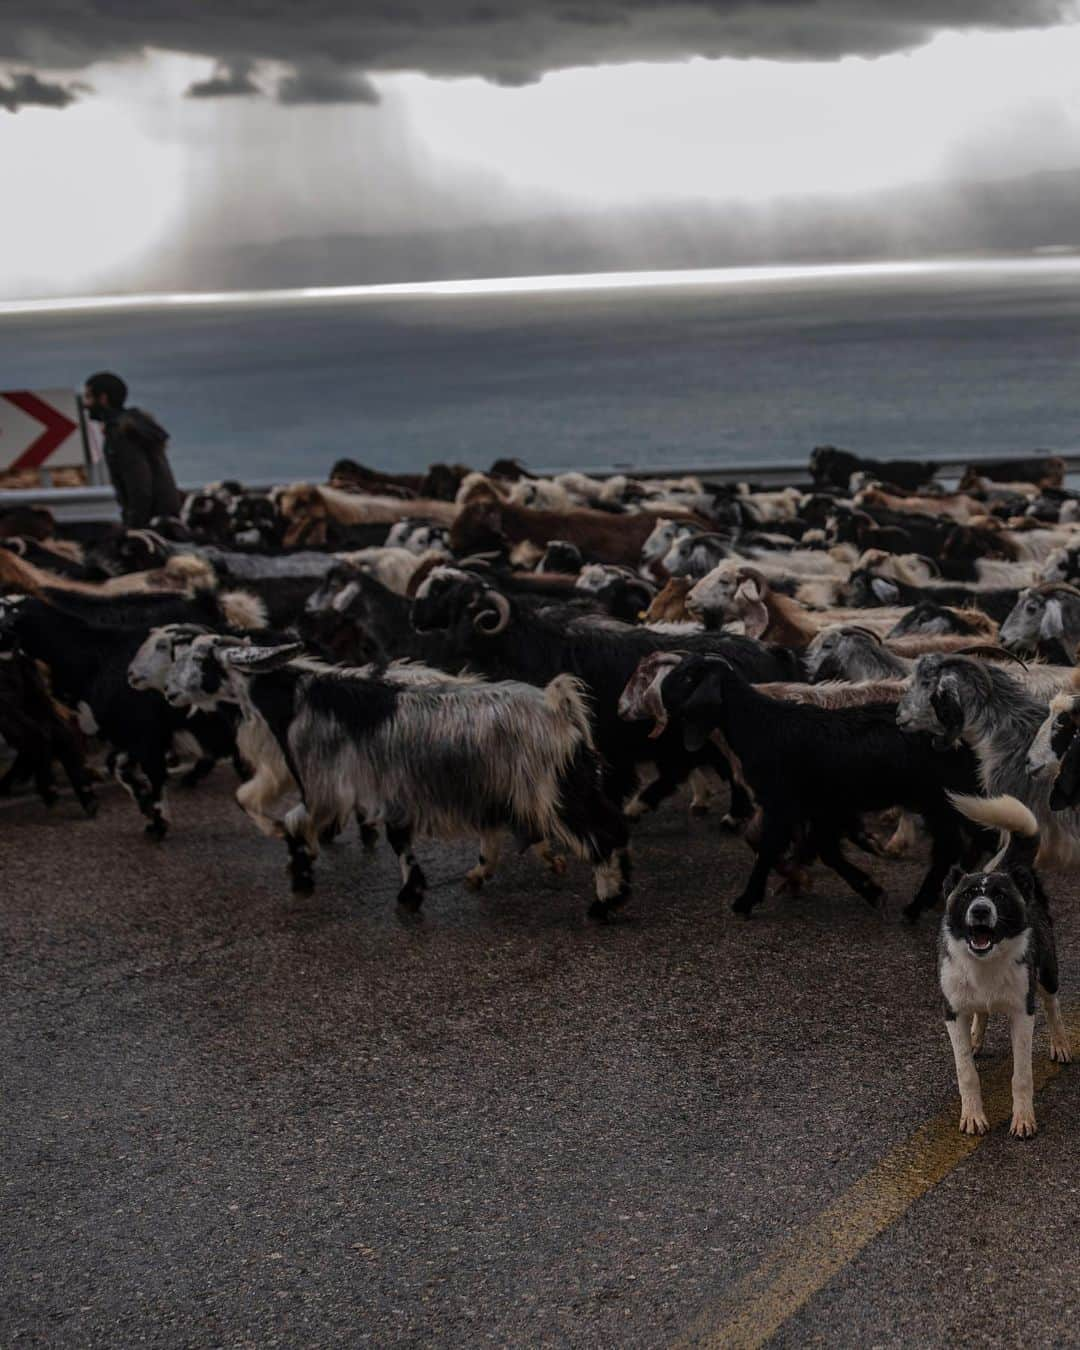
column 730, row 822
column 156, row 830
column 872, row 893
column 89, row 804
column 369, row 837
column 50, row 798
column 303, row 886
column 911, row 912
column 410, row 900
column 743, row 905
column 600, row 910
column 557, row 865
column 475, row 879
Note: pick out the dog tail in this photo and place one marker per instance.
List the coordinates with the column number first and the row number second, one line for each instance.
column 1017, row 826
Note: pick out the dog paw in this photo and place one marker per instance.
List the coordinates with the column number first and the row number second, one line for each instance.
column 1060, row 1051
column 973, row 1121
column 1023, row 1124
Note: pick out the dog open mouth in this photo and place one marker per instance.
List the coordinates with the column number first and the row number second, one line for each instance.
column 980, row 940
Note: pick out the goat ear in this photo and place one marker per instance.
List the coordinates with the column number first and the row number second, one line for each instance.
column 1066, row 790
column 755, row 620
column 1053, row 623
column 697, row 717
column 886, row 591
column 255, row 660
column 749, row 589
column 345, row 597
column 948, row 708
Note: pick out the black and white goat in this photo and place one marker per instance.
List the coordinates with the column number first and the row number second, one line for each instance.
column 959, row 699
column 438, row 759
column 1045, row 621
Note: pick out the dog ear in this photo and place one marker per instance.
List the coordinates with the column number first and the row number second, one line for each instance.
column 948, row 709
column 955, row 877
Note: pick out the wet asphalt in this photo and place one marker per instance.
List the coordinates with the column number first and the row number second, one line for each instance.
column 232, row 1118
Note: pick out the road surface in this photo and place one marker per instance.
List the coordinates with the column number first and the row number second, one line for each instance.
column 230, row 1118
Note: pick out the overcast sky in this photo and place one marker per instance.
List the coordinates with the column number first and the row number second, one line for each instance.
column 138, row 141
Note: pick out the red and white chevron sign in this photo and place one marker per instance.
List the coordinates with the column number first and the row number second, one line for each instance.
column 39, row 430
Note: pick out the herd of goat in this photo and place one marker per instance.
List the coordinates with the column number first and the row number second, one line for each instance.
column 511, row 658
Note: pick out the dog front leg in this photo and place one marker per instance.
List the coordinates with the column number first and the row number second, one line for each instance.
column 972, row 1114
column 1023, row 1116
column 1059, row 1037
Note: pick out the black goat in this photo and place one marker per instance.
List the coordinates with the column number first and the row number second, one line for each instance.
column 822, row 768
column 866, row 590
column 35, row 729
column 88, row 665
column 831, row 467
column 506, row 640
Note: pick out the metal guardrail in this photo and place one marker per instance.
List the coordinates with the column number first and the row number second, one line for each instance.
column 97, row 504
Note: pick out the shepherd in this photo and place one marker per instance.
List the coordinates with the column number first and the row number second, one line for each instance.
column 134, row 452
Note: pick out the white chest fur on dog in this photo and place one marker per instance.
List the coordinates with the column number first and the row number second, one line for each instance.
column 994, row 983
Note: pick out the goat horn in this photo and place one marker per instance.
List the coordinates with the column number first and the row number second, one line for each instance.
column 1049, row 587
column 869, row 632
column 501, row 607
column 16, row 544
column 993, row 653
column 484, row 558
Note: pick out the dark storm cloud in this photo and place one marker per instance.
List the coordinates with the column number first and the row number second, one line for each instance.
column 25, row 90
column 323, row 83
column 230, row 79
column 511, row 42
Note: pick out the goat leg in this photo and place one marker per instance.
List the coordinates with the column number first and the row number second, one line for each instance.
column 862, row 883
column 20, row 769
column 198, row 771
column 411, row 895
column 946, row 842
column 73, row 765
column 776, row 832
column 488, row 861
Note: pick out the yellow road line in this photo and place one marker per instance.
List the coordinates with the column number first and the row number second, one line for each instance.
column 756, row 1306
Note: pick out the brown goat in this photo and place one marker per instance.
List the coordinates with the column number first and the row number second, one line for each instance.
column 836, row 693
column 308, row 510
column 669, row 605
column 487, row 522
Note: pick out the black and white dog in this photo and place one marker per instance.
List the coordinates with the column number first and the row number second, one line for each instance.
column 997, row 948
